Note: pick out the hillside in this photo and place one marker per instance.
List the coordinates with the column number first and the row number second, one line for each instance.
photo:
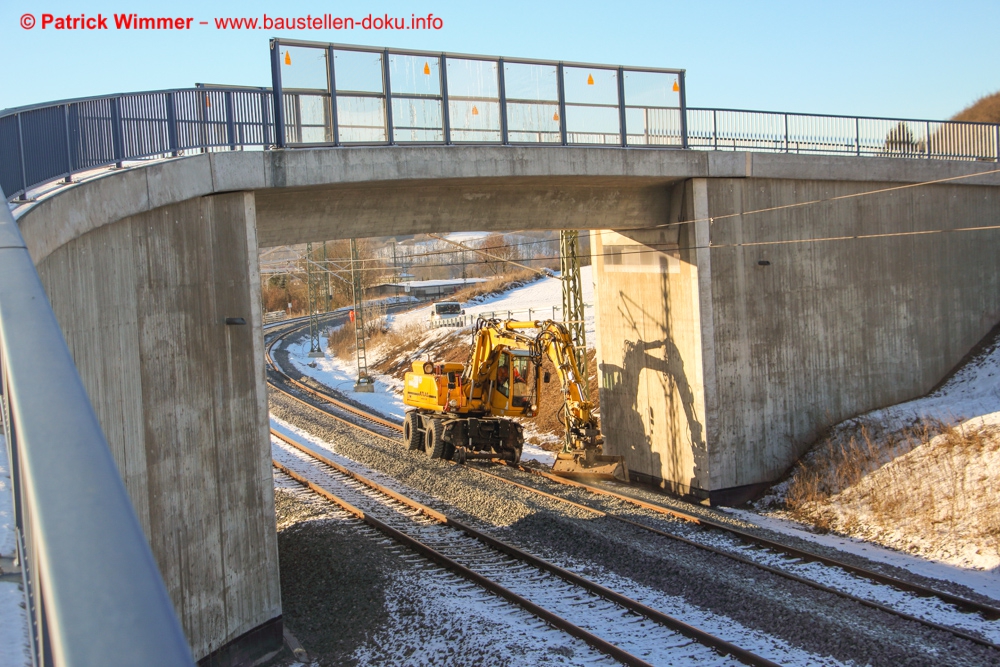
column 918, row 477
column 984, row 110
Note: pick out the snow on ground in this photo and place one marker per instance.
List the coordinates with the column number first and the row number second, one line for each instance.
column 937, row 502
column 340, row 374
column 13, row 619
column 983, row 582
column 539, row 296
column 971, row 395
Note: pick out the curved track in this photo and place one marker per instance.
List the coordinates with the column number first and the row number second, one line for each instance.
column 789, row 556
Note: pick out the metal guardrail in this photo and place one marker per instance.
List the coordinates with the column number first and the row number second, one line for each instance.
column 777, row 132
column 94, row 593
column 342, row 95
column 47, row 142
column 469, row 317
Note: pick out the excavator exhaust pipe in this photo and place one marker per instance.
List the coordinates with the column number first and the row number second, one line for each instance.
column 589, row 464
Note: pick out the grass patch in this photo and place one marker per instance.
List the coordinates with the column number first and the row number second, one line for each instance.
column 927, row 489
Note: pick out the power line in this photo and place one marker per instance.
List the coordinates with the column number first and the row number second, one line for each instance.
column 710, row 220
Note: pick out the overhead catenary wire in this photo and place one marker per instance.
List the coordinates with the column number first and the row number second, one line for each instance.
column 712, row 220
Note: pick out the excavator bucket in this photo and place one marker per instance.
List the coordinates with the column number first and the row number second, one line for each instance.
column 588, row 464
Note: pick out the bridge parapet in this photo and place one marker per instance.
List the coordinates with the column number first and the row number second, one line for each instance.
column 340, row 95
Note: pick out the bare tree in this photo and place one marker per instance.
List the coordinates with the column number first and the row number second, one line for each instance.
column 499, row 249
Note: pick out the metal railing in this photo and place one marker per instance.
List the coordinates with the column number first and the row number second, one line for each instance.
column 341, row 95
column 469, row 316
column 777, row 132
column 93, row 591
column 43, row 143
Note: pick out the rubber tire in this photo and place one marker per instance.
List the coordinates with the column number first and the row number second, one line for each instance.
column 434, row 444
column 412, row 437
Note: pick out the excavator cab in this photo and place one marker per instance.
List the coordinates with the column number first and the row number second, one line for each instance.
column 515, row 386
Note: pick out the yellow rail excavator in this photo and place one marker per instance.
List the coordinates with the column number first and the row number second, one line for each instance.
column 464, row 411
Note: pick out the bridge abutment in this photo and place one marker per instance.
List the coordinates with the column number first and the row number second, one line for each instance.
column 143, row 303
column 728, row 343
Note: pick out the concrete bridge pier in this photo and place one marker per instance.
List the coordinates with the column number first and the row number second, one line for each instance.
column 731, row 337
column 143, row 303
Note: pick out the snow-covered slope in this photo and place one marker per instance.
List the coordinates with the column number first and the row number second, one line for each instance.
column 540, row 297
column 938, row 500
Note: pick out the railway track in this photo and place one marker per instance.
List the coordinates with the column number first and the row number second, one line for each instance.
column 970, row 620
column 611, row 622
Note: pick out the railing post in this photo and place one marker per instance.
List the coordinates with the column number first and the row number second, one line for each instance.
column 684, row 121
column 20, row 156
column 445, row 117
column 69, row 151
column 278, row 96
column 230, row 121
column 331, row 76
column 927, row 138
column 205, row 103
column 265, row 121
column 388, row 98
column 502, row 87
column 621, row 108
column 116, row 131
column 857, row 136
column 172, row 124
column 786, row 132
column 561, row 85
column 715, row 129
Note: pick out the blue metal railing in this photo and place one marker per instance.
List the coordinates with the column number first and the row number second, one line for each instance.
column 44, row 143
column 338, row 95
column 94, row 593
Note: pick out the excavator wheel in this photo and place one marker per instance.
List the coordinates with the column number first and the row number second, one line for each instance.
column 434, row 444
column 412, row 436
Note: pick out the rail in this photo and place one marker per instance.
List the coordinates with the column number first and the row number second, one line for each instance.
column 343, row 95
column 93, row 591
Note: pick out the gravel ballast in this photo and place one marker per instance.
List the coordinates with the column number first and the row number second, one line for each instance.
column 817, row 622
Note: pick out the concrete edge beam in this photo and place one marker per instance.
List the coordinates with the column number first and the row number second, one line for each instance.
column 77, row 209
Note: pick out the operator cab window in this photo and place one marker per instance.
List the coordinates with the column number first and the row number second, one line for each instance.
column 521, row 369
column 503, row 374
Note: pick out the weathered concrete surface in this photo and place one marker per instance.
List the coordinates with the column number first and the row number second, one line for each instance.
column 143, row 302
column 772, row 326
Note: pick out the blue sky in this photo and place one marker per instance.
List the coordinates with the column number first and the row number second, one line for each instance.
column 899, row 59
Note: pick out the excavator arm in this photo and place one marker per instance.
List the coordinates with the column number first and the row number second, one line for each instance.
column 582, row 454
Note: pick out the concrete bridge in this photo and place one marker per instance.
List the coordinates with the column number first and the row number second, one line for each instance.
column 745, row 302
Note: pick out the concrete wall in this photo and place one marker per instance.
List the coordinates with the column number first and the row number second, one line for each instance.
column 772, row 326
column 143, row 302
column 649, row 342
